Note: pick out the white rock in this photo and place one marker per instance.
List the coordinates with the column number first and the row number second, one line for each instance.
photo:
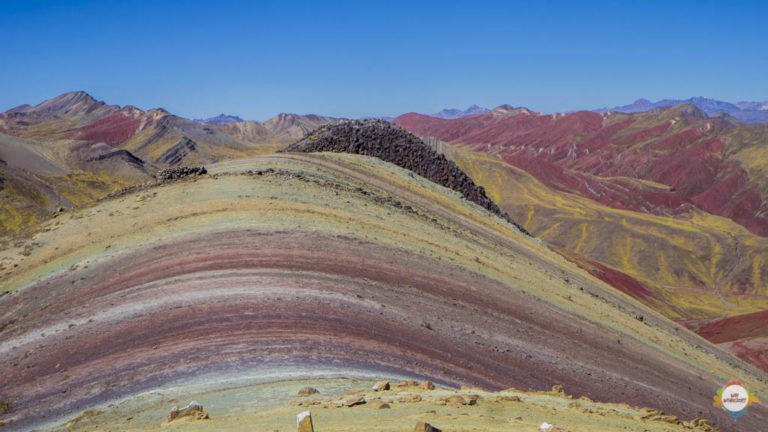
column 302, row 416
column 545, row 427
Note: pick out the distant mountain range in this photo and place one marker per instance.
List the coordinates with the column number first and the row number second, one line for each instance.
column 748, row 112
column 454, row 113
column 72, row 149
column 221, row 119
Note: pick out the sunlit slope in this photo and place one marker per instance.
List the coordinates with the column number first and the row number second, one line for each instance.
column 325, row 264
column 715, row 164
column 71, row 150
column 693, row 267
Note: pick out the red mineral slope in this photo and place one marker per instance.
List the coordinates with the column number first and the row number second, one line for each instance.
column 112, row 129
column 682, row 157
column 744, row 335
column 734, row 328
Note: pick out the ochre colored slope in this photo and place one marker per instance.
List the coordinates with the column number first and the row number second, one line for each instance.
column 681, row 259
column 325, row 264
column 35, row 182
column 698, row 267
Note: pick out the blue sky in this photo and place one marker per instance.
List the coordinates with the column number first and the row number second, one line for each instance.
column 355, row 59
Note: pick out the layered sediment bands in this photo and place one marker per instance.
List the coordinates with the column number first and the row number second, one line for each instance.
column 296, row 265
column 693, row 269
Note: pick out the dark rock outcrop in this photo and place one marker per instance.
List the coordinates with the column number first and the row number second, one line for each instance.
column 393, row 144
column 308, row 391
column 120, row 154
column 180, row 172
column 176, row 154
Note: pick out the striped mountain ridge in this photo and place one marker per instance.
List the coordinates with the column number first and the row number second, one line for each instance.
column 668, row 206
column 316, row 266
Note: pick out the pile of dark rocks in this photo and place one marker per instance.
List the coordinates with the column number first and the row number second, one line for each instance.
column 393, row 144
column 180, row 173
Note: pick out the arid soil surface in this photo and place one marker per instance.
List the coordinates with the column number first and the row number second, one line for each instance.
column 300, row 265
column 274, row 407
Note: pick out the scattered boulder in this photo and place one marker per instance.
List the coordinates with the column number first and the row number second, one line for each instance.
column 545, row 427
column 394, row 144
column 193, row 411
column 426, row 385
column 408, row 383
column 558, row 390
column 355, row 401
column 304, row 422
column 455, row 400
column 381, row 386
column 379, row 404
column 307, row 391
column 180, row 173
column 426, row 427
column 700, row 424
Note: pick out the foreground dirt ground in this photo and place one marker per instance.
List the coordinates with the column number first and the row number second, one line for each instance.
column 273, row 407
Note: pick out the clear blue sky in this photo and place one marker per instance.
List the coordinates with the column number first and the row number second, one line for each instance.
column 365, row 58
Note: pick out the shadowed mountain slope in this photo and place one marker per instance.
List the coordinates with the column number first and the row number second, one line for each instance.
column 299, row 265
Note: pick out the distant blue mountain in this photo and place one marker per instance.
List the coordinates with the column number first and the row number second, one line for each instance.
column 220, row 119
column 453, row 113
column 748, row 112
